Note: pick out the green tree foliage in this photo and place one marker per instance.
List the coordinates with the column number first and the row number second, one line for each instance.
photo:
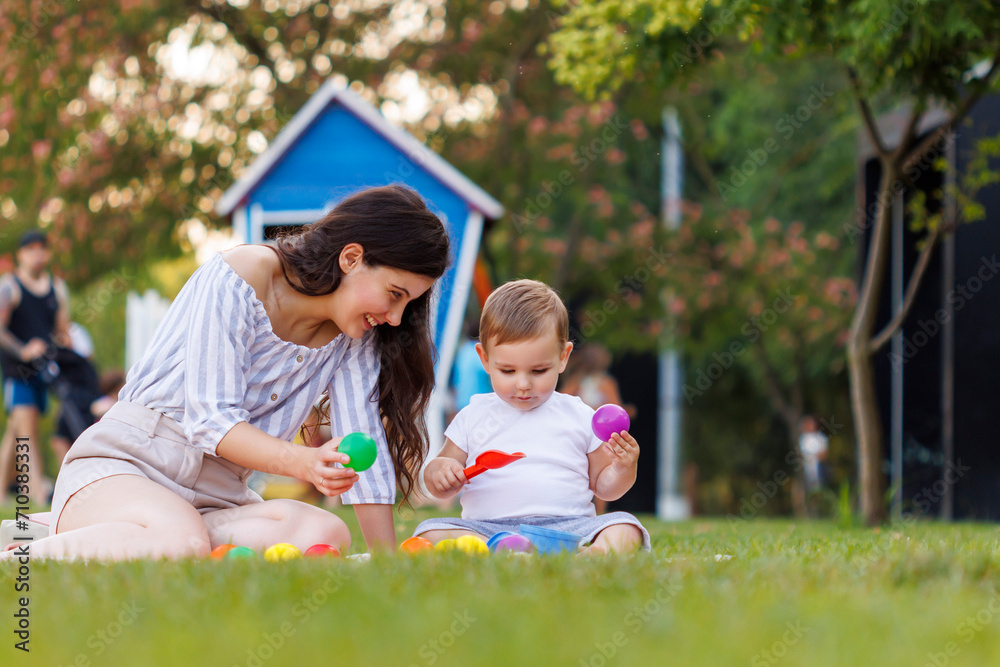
column 916, row 52
column 750, row 294
column 764, row 141
column 111, row 142
column 115, row 145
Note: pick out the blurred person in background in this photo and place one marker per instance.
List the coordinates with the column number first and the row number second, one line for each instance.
column 813, row 444
column 34, row 322
column 85, row 398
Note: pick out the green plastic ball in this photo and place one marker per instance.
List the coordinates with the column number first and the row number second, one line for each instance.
column 241, row 552
column 361, row 448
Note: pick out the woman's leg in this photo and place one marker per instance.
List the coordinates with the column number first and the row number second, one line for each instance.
column 261, row 525
column 124, row 517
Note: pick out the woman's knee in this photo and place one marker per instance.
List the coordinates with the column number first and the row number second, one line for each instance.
column 182, row 540
column 314, row 525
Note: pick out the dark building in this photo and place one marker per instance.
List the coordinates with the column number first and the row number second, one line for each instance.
column 939, row 383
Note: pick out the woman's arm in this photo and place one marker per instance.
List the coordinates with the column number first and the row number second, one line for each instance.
column 250, row 447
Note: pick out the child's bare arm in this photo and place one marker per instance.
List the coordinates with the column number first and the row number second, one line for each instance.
column 613, row 466
column 443, row 475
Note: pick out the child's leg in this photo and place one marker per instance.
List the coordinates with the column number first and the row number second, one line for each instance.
column 124, row 517
column 261, row 525
column 435, row 536
column 620, row 537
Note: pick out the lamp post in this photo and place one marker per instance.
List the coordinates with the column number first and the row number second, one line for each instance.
column 670, row 503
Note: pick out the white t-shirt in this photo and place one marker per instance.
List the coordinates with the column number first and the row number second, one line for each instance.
column 812, row 446
column 554, row 477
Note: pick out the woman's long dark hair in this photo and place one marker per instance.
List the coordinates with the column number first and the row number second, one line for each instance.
column 398, row 231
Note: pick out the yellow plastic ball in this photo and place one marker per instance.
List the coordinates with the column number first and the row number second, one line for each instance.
column 445, row 545
column 282, row 551
column 471, row 544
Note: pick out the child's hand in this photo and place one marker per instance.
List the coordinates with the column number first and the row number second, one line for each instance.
column 444, row 476
column 623, row 450
column 327, row 478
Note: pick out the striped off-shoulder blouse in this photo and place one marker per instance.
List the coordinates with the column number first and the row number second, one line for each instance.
column 214, row 362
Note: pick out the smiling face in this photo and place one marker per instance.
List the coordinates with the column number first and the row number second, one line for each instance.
column 368, row 296
column 524, row 374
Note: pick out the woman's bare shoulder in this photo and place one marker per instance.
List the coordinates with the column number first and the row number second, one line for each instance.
column 255, row 264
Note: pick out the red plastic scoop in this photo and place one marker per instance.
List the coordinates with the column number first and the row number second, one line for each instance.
column 491, row 459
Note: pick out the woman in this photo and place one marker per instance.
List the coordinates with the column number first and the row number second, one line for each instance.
column 252, row 341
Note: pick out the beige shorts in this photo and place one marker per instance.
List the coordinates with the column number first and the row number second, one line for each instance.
column 134, row 440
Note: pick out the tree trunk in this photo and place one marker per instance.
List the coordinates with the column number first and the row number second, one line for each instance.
column 867, row 430
column 864, row 404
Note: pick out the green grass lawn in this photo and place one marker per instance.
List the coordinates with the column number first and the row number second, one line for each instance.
column 792, row 594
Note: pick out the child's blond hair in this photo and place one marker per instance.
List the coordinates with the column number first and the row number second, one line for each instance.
column 521, row 310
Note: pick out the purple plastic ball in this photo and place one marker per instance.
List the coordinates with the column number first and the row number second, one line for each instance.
column 514, row 543
column 609, row 419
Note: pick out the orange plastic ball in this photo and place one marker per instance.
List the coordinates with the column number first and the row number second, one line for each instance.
column 415, row 544
column 220, row 551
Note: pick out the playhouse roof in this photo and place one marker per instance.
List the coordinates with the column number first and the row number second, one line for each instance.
column 329, row 92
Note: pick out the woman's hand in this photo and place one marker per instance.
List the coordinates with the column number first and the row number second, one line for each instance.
column 321, row 473
column 250, row 447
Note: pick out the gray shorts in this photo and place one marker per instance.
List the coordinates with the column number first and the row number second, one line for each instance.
column 134, row 440
column 587, row 527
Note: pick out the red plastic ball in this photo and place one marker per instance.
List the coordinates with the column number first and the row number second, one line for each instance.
column 318, row 550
